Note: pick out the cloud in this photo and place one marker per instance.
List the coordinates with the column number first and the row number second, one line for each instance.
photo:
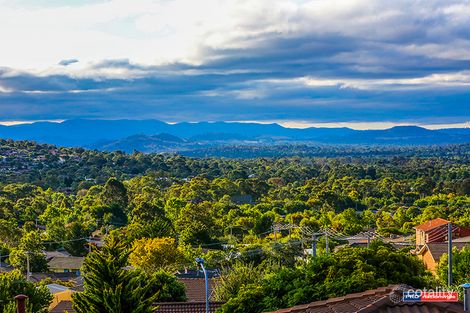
column 68, row 62
column 321, row 61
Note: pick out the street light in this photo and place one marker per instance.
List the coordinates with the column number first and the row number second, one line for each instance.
column 466, row 297
column 200, row 262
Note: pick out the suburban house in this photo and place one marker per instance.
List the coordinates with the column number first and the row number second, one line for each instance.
column 380, row 300
column 431, row 253
column 66, row 264
column 436, row 231
column 60, row 293
column 63, row 307
column 432, row 241
column 194, row 283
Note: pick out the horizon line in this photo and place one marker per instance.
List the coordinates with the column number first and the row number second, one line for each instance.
column 293, row 124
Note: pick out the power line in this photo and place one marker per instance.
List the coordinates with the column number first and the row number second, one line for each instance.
column 62, row 241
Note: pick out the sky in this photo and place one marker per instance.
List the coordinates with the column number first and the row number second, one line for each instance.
column 371, row 63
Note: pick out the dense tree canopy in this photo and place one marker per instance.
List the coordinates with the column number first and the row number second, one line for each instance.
column 460, row 267
column 13, row 284
column 168, row 209
column 347, row 271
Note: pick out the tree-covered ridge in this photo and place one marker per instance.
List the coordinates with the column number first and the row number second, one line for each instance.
column 309, row 150
column 202, row 201
column 72, row 169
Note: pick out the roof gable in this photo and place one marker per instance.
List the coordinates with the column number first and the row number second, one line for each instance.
column 429, row 225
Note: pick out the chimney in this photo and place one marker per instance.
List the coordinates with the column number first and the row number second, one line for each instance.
column 466, row 297
column 21, row 303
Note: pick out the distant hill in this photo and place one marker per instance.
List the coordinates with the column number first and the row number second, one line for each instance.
column 403, row 135
column 218, row 137
column 156, row 136
column 155, row 143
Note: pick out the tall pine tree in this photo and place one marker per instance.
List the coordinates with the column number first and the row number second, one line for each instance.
column 109, row 286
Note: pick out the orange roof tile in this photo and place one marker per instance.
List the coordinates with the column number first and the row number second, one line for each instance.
column 163, row 307
column 196, row 288
column 429, row 225
column 374, row 301
column 186, row 307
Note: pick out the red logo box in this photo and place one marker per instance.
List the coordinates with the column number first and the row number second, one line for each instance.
column 440, row 296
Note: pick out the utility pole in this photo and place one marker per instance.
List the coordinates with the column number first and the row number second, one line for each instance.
column 449, row 253
column 89, row 244
column 327, row 246
column 368, row 240
column 27, row 266
column 314, row 245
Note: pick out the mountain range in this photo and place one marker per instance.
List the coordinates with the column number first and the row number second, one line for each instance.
column 158, row 136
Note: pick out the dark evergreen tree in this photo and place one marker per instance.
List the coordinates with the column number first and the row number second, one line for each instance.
column 110, row 287
column 75, row 245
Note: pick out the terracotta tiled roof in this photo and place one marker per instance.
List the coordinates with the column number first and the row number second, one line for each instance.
column 164, row 307
column 438, row 222
column 439, row 248
column 349, row 303
column 420, row 307
column 380, row 300
column 186, row 307
column 63, row 306
column 196, row 288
